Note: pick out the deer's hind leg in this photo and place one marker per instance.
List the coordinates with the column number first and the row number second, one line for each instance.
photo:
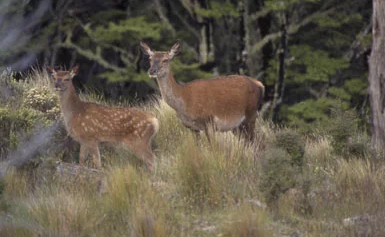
column 141, row 149
column 247, row 129
column 140, row 146
column 83, row 154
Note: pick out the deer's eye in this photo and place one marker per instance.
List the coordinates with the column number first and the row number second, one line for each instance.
column 165, row 60
column 67, row 79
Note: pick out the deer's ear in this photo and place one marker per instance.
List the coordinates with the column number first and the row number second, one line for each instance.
column 74, row 70
column 175, row 50
column 51, row 70
column 146, row 49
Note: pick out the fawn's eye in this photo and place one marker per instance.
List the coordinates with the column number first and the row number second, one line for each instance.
column 66, row 79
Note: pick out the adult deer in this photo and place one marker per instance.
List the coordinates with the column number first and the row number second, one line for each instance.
column 90, row 123
column 227, row 102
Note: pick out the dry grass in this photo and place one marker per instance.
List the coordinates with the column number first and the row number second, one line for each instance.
column 199, row 189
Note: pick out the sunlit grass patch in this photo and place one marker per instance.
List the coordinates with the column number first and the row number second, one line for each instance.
column 59, row 213
column 133, row 206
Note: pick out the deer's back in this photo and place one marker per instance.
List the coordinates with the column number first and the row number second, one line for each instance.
column 223, row 96
column 110, row 124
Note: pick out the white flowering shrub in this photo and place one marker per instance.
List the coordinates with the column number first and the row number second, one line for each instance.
column 42, row 99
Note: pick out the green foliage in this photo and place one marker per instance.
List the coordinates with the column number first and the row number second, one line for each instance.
column 117, row 76
column 277, row 175
column 293, row 144
column 10, row 89
column 134, row 28
column 337, row 20
column 188, row 72
column 305, row 114
column 15, row 123
column 342, row 126
column 310, row 65
column 103, row 17
column 339, row 93
column 218, row 10
column 359, row 146
column 356, row 86
column 280, row 5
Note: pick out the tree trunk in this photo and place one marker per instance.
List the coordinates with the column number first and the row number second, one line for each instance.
column 279, row 86
column 377, row 74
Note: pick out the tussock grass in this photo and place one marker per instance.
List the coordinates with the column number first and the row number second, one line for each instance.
column 59, row 213
column 16, row 184
column 247, row 221
column 202, row 188
column 133, row 206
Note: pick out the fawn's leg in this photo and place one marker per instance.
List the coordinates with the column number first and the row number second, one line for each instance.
column 83, row 154
column 142, row 150
column 93, row 148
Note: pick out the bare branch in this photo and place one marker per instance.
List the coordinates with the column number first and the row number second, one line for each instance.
column 95, row 56
column 291, row 30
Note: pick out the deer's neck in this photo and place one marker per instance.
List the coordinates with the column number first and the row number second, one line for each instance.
column 70, row 104
column 171, row 91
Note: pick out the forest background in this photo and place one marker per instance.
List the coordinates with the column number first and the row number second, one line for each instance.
column 310, row 54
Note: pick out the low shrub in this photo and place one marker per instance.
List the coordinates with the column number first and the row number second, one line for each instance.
column 293, row 144
column 42, row 99
column 277, row 174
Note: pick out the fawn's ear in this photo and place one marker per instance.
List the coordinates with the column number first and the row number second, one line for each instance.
column 175, row 50
column 51, row 70
column 74, row 70
column 146, row 49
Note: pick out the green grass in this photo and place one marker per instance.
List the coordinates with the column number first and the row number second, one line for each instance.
column 197, row 188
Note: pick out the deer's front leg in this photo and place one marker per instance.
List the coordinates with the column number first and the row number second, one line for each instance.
column 83, row 155
column 95, row 154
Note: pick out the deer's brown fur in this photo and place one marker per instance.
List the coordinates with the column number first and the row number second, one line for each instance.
column 90, row 123
column 227, row 102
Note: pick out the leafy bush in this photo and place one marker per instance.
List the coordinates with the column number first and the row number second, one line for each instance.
column 10, row 89
column 293, row 144
column 16, row 123
column 277, row 175
column 342, row 126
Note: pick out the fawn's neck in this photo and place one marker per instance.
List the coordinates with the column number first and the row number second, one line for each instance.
column 69, row 104
column 171, row 91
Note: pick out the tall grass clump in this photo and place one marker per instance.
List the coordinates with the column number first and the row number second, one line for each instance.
column 216, row 172
column 171, row 130
column 198, row 177
column 133, row 206
column 16, row 184
column 58, row 212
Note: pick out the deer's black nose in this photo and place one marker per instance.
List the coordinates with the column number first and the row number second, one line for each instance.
column 58, row 83
column 152, row 71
